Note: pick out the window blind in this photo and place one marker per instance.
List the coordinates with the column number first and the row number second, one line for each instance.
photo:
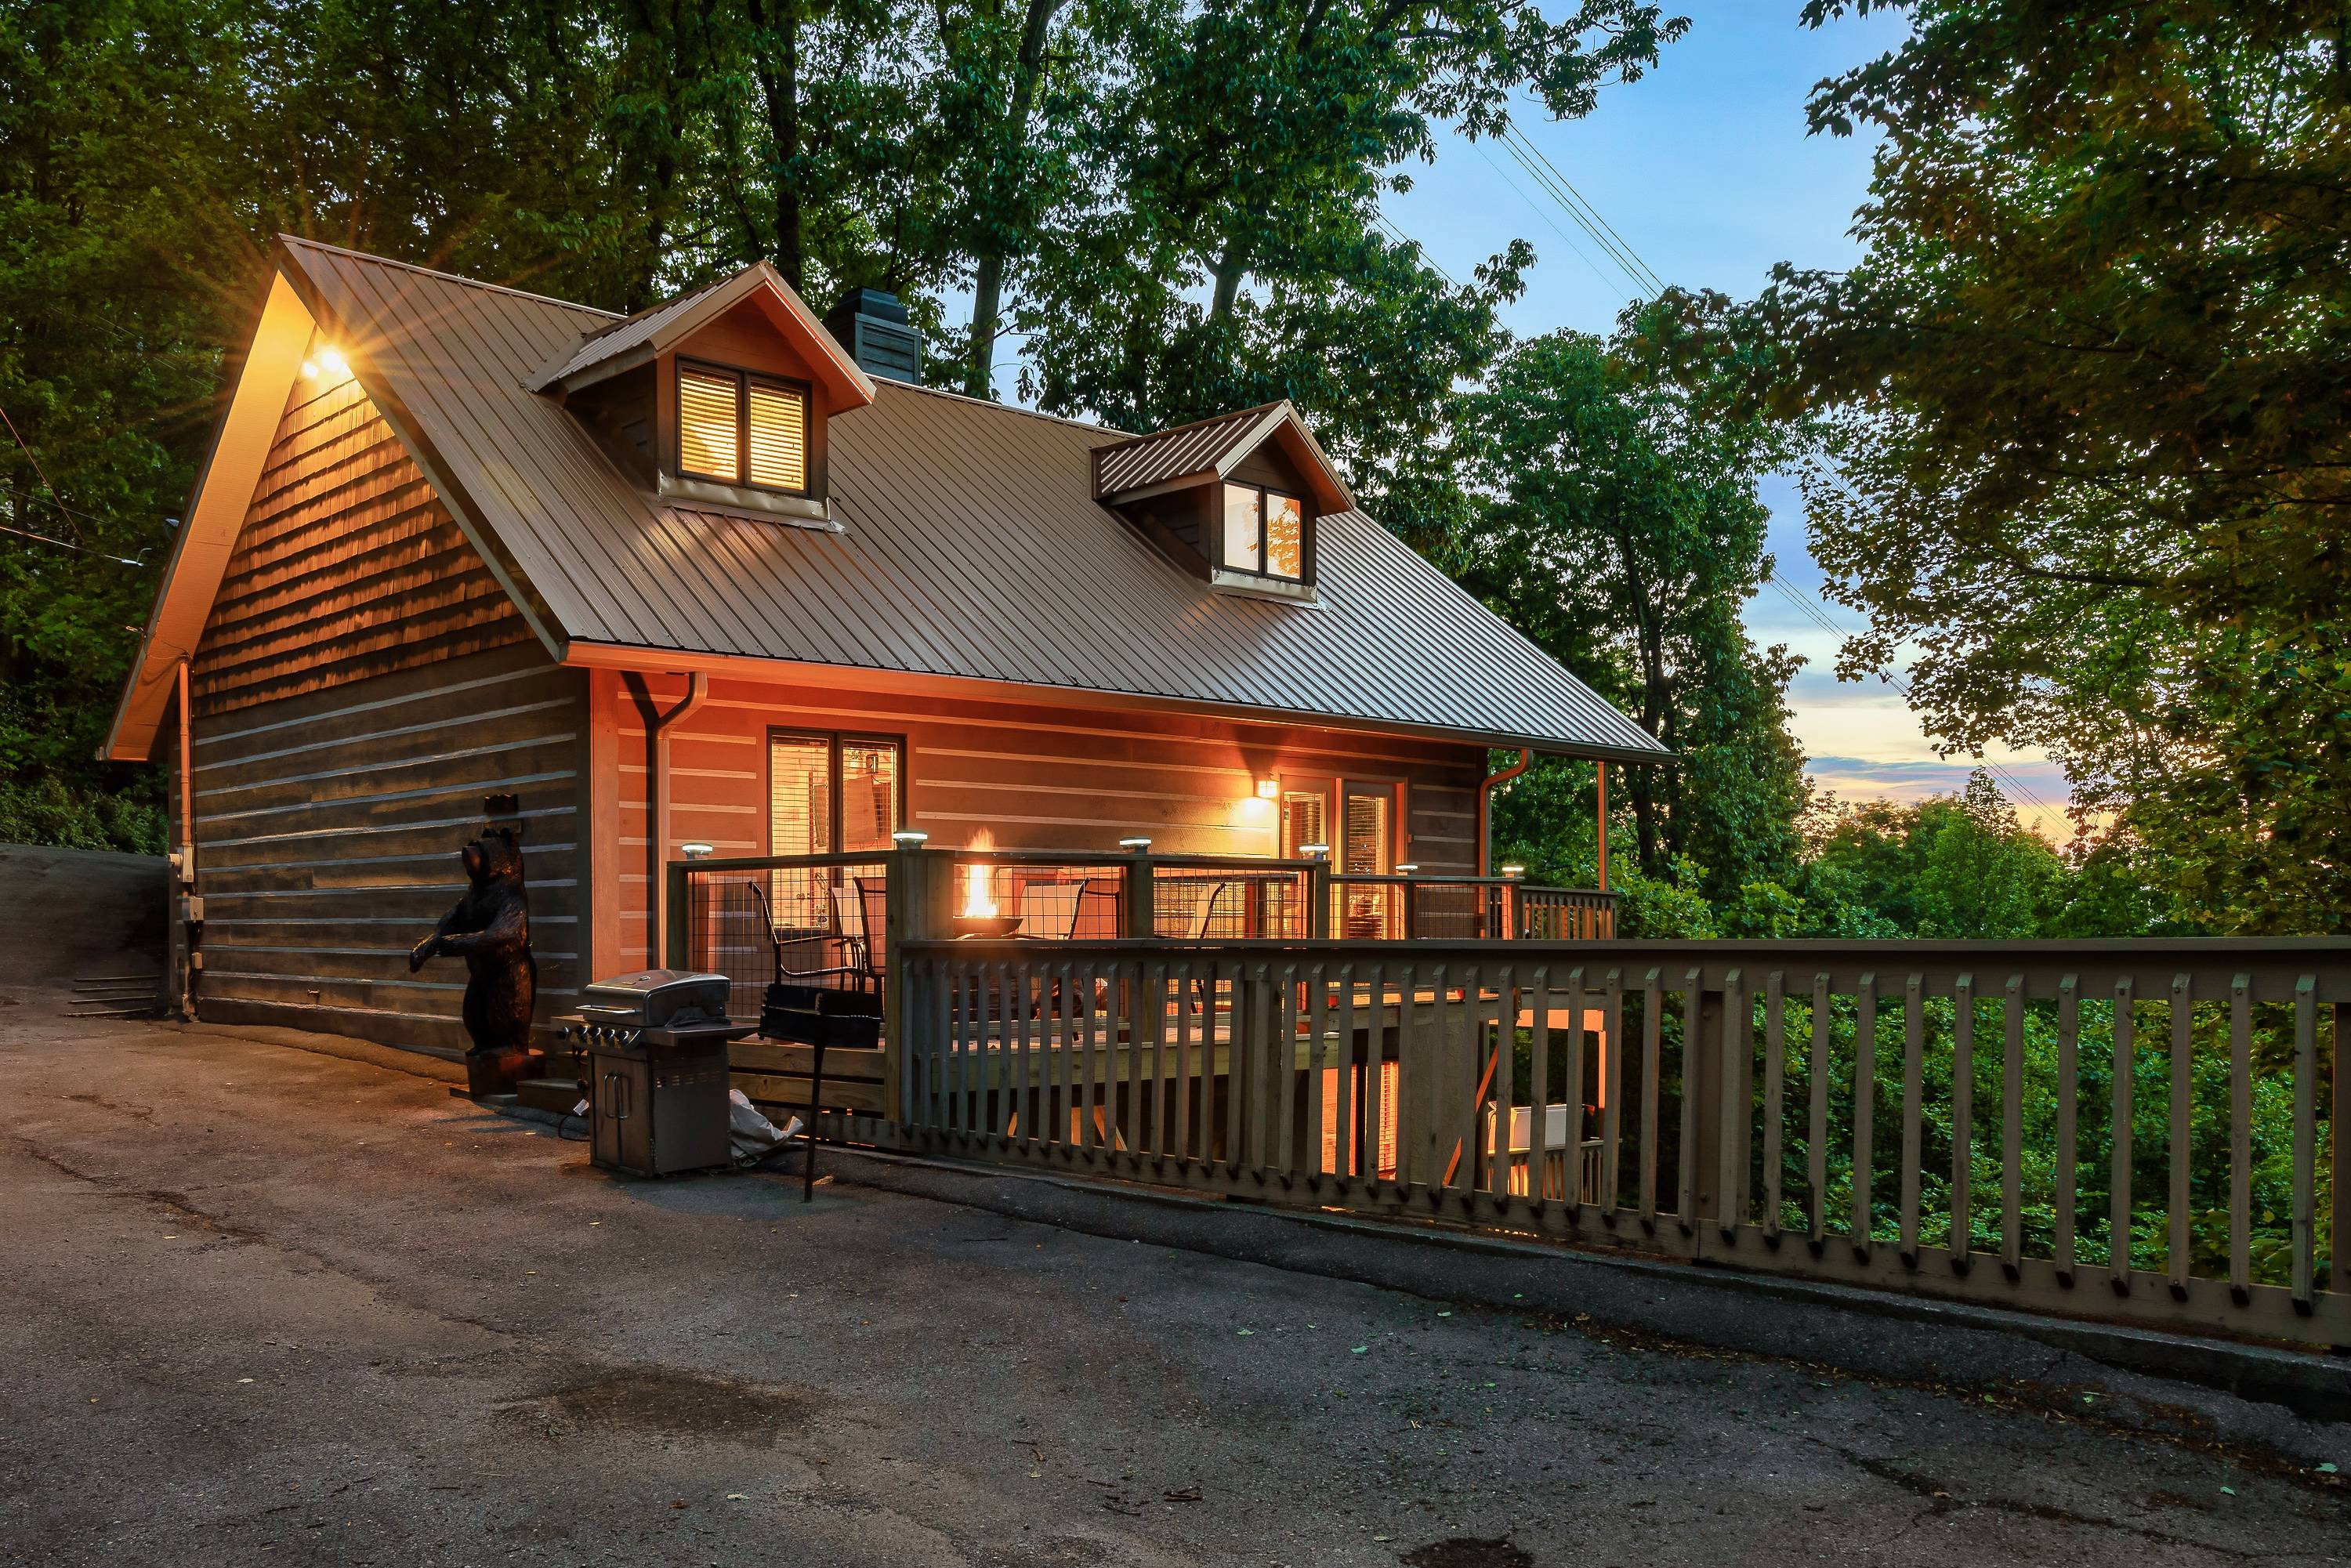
column 779, row 445
column 708, row 440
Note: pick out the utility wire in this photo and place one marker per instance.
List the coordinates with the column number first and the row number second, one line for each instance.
column 68, row 544
column 1536, row 208
column 1401, row 237
column 38, row 472
column 1537, row 164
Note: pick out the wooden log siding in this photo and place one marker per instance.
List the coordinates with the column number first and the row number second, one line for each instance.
column 327, row 827
column 348, row 565
column 1036, row 775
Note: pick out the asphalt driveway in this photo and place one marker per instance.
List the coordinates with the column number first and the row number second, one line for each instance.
column 260, row 1305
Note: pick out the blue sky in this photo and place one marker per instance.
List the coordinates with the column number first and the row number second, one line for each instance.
column 1705, row 169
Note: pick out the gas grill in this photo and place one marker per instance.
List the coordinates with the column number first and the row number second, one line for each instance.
column 656, row 1044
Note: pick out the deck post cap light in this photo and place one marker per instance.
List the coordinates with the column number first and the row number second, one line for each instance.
column 1319, row 852
column 1406, row 868
column 1137, row 844
column 693, row 852
column 909, row 838
column 1514, row 871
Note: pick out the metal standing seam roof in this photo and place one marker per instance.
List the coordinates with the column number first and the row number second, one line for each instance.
column 971, row 544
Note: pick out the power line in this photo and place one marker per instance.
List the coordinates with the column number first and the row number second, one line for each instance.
column 38, row 472
column 1401, row 237
column 1536, row 208
column 1580, row 207
column 68, row 544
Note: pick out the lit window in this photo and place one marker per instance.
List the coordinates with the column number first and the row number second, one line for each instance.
column 1265, row 533
column 708, row 416
column 778, row 427
column 740, row 431
column 1244, row 521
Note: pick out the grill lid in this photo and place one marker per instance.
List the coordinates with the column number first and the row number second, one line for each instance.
column 654, row 998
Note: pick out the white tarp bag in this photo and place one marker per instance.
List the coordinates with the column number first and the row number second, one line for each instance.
column 752, row 1136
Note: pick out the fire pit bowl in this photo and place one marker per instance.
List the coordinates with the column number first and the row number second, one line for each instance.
column 986, row 925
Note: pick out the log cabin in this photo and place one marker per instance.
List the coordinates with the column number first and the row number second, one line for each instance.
column 724, row 575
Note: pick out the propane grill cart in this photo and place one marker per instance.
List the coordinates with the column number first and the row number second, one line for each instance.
column 657, row 1072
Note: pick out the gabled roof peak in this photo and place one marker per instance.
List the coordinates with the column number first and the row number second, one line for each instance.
column 622, row 345
column 1209, row 449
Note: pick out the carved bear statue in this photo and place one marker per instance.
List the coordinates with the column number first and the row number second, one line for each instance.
column 490, row 929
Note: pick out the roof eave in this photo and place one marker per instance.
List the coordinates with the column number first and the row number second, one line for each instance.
column 581, row 653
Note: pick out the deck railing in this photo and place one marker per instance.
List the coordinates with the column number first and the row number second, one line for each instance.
column 820, row 920
column 2142, row 1130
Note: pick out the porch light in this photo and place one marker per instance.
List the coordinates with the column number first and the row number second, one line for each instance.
column 1514, row 871
column 1269, row 790
column 909, row 838
column 332, row 361
column 309, row 369
column 1137, row 844
column 693, row 852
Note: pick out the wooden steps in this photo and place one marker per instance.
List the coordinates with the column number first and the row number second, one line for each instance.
column 117, row 996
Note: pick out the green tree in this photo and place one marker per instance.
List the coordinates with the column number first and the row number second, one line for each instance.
column 1232, row 253
column 113, row 277
column 2089, row 443
column 1619, row 529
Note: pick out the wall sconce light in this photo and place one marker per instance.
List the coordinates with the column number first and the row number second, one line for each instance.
column 909, row 838
column 1136, row 845
column 332, row 361
column 1514, row 871
column 694, row 851
column 1269, row 790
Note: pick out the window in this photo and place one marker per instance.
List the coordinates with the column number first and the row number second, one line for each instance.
column 1265, row 532
column 829, row 793
column 740, row 429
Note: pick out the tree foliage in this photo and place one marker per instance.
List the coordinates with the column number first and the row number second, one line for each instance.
column 2089, row 448
column 1620, row 528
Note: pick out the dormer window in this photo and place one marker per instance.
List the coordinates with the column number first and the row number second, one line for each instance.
column 1265, row 532
column 737, row 428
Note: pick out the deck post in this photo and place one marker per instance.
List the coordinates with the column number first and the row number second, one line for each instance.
column 1140, row 913
column 918, row 902
column 1318, row 899
column 676, row 917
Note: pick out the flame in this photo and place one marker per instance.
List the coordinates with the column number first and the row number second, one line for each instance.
column 978, row 902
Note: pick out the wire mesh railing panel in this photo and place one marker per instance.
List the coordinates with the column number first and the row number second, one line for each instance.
column 818, row 926
column 1231, row 901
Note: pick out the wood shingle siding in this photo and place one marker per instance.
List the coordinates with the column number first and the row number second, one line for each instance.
column 348, row 565
column 327, row 827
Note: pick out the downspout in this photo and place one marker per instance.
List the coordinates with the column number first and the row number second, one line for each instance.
column 1603, row 825
column 1486, row 807
column 697, row 692
column 187, row 872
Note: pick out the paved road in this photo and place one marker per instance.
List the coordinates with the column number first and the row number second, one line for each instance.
column 260, row 1305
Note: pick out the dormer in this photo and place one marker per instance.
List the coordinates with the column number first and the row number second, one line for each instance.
column 718, row 398
column 1235, row 500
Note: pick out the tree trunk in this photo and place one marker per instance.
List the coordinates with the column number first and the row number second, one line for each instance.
column 779, row 70
column 992, row 252
column 1230, row 269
